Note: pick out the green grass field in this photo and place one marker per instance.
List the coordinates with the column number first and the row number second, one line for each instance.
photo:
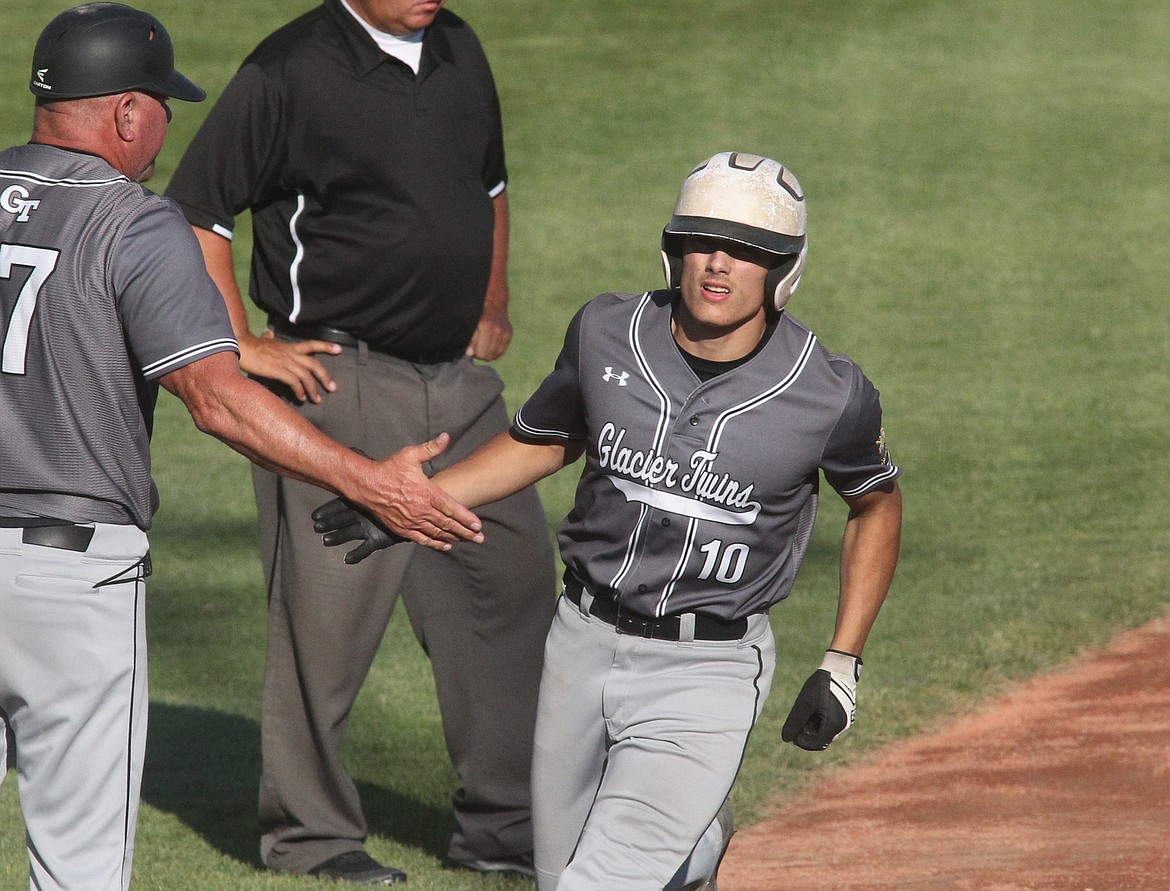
column 988, row 217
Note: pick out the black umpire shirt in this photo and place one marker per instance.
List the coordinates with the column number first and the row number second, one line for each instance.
column 370, row 187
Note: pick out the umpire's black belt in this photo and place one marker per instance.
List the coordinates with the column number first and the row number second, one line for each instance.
column 606, row 608
column 286, row 328
column 49, row 533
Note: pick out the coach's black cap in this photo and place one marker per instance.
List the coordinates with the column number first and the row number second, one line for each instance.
column 104, row 48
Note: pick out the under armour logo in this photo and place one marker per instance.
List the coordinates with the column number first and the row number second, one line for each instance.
column 621, row 377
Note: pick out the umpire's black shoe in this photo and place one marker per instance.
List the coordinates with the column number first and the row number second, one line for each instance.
column 516, row 865
column 360, row 868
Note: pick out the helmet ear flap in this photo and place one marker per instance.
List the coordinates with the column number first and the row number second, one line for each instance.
column 671, row 261
column 782, row 280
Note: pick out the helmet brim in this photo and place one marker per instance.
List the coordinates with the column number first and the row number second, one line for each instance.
column 176, row 86
column 778, row 243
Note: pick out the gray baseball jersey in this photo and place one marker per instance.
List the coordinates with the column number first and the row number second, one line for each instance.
column 102, row 291
column 700, row 497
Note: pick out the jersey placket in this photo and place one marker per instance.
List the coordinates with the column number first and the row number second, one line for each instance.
column 685, row 440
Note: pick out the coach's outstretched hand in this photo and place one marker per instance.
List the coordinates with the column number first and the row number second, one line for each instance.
column 827, row 703
column 340, row 522
column 411, row 509
column 397, row 497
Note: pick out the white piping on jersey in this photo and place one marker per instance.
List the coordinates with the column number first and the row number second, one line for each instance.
column 663, row 426
column 632, row 544
column 294, row 268
column 888, row 474
column 541, row 432
column 188, row 355
column 680, row 567
column 717, row 431
column 660, row 430
column 77, row 183
column 758, row 400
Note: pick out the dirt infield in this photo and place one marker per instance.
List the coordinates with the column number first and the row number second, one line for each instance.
column 1063, row 784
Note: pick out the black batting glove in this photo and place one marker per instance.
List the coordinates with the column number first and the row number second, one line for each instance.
column 827, row 703
column 339, row 522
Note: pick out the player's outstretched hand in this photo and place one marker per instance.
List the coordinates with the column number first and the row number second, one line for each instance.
column 398, row 496
column 340, row 522
column 827, row 703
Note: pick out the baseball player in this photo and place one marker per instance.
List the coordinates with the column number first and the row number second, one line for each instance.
column 103, row 296
column 707, row 415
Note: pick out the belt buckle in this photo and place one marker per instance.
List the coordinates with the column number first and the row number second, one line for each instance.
column 635, row 625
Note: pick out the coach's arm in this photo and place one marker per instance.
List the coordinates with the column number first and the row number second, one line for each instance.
column 254, row 422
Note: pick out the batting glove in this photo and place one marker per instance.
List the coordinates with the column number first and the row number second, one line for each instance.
column 341, row 522
column 827, row 703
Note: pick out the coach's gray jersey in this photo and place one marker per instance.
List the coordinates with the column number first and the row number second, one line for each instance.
column 102, row 291
column 700, row 496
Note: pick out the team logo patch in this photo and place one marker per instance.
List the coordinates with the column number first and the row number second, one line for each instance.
column 15, row 200
column 621, row 377
column 882, row 448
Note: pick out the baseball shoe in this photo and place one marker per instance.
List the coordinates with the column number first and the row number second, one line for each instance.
column 360, row 868
column 517, row 865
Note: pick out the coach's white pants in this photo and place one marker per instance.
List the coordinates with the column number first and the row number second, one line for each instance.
column 73, row 701
column 637, row 745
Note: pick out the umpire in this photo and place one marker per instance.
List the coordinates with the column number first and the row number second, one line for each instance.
column 103, row 296
column 364, row 138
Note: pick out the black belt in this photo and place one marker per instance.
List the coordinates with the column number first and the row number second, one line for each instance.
column 49, row 533
column 286, row 328
column 606, row 608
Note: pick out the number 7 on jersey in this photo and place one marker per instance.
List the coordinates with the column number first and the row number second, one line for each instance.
column 42, row 262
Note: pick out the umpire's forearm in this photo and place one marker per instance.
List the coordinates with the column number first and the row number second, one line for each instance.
column 220, row 263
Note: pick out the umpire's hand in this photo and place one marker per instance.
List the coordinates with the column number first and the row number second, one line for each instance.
column 827, row 703
column 339, row 522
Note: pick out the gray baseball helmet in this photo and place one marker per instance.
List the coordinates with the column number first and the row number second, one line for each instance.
column 747, row 199
column 103, row 48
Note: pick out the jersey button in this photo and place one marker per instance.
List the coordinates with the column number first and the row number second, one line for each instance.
column 666, row 521
column 694, row 421
column 642, row 589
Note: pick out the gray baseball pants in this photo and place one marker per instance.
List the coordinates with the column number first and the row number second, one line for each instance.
column 73, row 702
column 638, row 742
column 481, row 612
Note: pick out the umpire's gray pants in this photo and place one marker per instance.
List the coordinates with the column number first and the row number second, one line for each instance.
column 480, row 612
